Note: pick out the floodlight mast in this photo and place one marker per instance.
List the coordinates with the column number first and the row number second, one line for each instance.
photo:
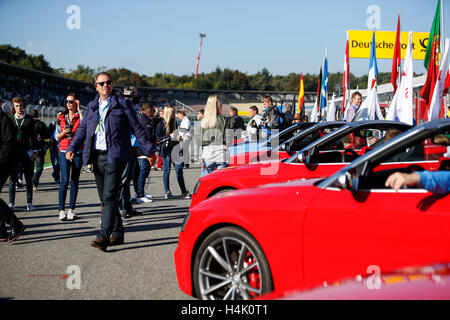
column 201, row 35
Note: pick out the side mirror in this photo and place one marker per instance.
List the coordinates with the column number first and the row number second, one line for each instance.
column 304, row 157
column 346, row 181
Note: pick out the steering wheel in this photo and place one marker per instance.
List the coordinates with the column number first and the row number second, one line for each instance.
column 349, row 153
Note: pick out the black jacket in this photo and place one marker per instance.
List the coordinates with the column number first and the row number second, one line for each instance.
column 41, row 132
column 147, row 125
column 236, row 122
column 26, row 134
column 8, row 133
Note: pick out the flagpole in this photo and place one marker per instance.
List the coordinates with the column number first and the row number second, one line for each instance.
column 442, row 35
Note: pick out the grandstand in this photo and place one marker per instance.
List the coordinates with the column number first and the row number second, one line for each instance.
column 45, row 92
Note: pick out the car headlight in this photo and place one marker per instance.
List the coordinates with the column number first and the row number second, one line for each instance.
column 186, row 218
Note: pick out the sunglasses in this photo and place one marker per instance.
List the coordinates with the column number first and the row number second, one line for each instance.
column 108, row 83
column 70, row 101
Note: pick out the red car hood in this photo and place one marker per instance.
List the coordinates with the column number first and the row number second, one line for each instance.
column 259, row 194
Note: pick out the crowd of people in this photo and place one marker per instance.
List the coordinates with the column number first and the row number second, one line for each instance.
column 120, row 139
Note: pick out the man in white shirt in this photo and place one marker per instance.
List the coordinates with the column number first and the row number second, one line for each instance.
column 356, row 103
column 254, row 125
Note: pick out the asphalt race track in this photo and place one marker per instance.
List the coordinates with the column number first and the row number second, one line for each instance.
column 54, row 260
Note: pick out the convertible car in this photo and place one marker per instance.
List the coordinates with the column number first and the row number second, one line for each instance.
column 273, row 148
column 244, row 243
column 321, row 158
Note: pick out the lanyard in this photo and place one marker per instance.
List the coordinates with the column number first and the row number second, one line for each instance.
column 102, row 114
column 23, row 119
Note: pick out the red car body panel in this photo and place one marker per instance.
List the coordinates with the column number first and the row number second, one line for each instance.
column 382, row 228
column 428, row 282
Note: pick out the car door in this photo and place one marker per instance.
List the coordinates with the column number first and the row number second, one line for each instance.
column 345, row 232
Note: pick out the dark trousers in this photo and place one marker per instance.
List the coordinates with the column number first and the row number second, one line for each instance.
column 6, row 214
column 22, row 158
column 54, row 157
column 108, row 177
column 40, row 160
column 125, row 193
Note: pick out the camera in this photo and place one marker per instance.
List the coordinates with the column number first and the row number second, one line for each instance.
column 128, row 93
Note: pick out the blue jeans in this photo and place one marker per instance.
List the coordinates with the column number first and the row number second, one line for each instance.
column 208, row 167
column 108, row 177
column 144, row 171
column 125, row 195
column 167, row 161
column 72, row 170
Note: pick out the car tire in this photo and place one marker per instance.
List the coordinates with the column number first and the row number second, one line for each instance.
column 223, row 267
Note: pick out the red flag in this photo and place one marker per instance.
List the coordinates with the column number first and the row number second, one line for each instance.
column 345, row 76
column 447, row 82
column 397, row 60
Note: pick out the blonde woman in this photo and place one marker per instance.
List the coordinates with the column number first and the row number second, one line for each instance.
column 214, row 149
column 166, row 132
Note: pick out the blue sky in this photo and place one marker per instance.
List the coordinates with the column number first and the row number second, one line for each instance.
column 162, row 36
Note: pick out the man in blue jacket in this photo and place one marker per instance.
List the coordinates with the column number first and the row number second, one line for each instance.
column 105, row 133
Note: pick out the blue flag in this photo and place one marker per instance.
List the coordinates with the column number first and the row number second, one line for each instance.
column 324, row 91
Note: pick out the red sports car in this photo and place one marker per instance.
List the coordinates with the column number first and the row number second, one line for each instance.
column 322, row 157
column 248, row 242
column 273, row 148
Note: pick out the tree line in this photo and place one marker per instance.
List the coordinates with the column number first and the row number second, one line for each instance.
column 219, row 79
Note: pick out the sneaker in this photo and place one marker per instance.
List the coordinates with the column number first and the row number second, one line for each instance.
column 16, row 232
column 30, row 207
column 124, row 214
column 186, row 195
column 71, row 215
column 11, row 206
column 144, row 200
column 62, row 215
column 149, row 196
column 35, row 189
column 169, row 195
column 139, row 201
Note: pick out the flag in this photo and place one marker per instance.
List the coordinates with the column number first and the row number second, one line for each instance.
column 402, row 105
column 370, row 108
column 301, row 95
column 319, row 86
column 345, row 77
column 324, row 91
column 331, row 112
column 314, row 114
column 447, row 82
column 397, row 59
column 436, row 101
column 431, row 62
column 373, row 69
column 433, row 37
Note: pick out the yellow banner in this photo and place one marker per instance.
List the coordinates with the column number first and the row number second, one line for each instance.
column 360, row 42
